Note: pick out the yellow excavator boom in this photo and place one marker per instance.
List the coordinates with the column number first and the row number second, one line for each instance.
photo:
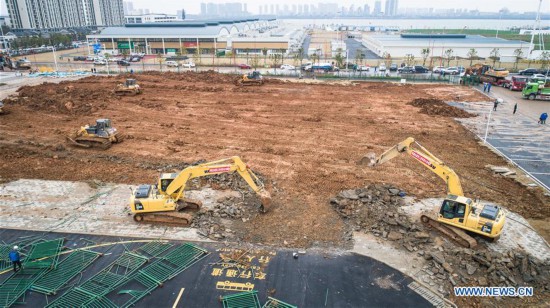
column 428, row 160
column 177, row 186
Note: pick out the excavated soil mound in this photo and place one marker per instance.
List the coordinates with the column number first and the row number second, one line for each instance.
column 432, row 106
column 65, row 98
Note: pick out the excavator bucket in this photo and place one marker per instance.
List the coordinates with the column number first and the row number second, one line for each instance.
column 265, row 198
column 369, row 159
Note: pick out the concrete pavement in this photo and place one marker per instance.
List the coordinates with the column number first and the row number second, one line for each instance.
column 518, row 136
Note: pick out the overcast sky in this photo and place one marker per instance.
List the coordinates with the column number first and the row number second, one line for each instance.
column 193, row 6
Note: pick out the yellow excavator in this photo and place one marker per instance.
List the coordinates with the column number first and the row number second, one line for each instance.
column 457, row 212
column 165, row 201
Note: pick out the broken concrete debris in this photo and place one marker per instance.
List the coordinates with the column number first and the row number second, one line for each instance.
column 376, row 209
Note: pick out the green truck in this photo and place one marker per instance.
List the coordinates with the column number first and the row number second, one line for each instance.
column 534, row 90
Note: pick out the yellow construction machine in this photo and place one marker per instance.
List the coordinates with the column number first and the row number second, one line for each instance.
column 129, row 87
column 165, row 201
column 457, row 212
column 254, row 78
column 102, row 135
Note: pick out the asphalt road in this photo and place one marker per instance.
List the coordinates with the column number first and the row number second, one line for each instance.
column 319, row 278
column 353, row 45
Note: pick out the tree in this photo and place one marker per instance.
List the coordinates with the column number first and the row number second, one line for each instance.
column 255, row 61
column 276, row 59
column 425, row 54
column 159, row 58
column 544, row 59
column 339, row 58
column 494, row 55
column 197, row 56
column 409, row 59
column 359, row 56
column 301, row 54
column 387, row 58
column 264, row 52
column 296, row 59
column 247, row 52
column 448, row 55
column 314, row 57
column 518, row 54
column 472, row 54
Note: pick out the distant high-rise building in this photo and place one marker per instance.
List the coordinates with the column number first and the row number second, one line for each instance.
column 277, row 10
column 377, row 7
column 366, row 9
column 203, row 9
column 181, row 14
column 42, row 15
column 128, row 7
column 391, row 8
column 261, row 9
column 245, row 9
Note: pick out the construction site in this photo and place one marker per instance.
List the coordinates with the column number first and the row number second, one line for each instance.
column 179, row 178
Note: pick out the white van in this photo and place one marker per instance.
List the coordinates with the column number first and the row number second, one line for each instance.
column 172, row 64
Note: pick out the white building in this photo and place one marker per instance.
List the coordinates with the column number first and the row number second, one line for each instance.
column 400, row 45
column 149, row 18
column 337, row 46
column 55, row 14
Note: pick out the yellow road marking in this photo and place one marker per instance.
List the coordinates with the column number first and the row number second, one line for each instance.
column 178, row 299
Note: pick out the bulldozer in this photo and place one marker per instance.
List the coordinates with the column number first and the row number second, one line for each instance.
column 458, row 214
column 254, row 78
column 165, row 201
column 101, row 136
column 129, row 87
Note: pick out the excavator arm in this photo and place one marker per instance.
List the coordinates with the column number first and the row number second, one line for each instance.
column 217, row 167
column 427, row 159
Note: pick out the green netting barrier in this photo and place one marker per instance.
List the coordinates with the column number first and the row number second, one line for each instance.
column 91, row 292
column 154, row 249
column 275, row 303
column 247, row 299
column 42, row 257
column 146, row 280
column 68, row 268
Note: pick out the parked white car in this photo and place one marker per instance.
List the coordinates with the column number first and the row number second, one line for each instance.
column 363, row 68
column 438, row 69
column 288, row 67
column 90, row 58
column 100, row 62
column 453, row 70
column 172, row 64
column 382, row 67
column 188, row 65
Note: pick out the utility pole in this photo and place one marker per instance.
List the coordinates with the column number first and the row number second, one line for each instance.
column 537, row 26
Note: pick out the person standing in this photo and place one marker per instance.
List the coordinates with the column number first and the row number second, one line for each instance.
column 543, row 117
column 495, row 104
column 15, row 258
column 484, row 87
column 489, row 85
column 515, row 108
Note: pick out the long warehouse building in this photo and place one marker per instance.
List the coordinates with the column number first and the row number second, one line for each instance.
column 252, row 36
column 401, row 45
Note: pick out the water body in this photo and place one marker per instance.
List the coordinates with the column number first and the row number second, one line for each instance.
column 500, row 24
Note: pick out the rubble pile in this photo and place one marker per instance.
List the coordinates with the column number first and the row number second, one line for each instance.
column 375, row 209
column 432, row 106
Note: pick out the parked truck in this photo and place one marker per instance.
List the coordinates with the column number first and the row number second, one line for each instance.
column 327, row 67
column 535, row 90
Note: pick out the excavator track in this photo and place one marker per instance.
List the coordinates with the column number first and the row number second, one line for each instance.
column 456, row 234
column 172, row 218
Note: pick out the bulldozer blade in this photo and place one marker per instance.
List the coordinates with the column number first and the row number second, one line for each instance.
column 71, row 140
